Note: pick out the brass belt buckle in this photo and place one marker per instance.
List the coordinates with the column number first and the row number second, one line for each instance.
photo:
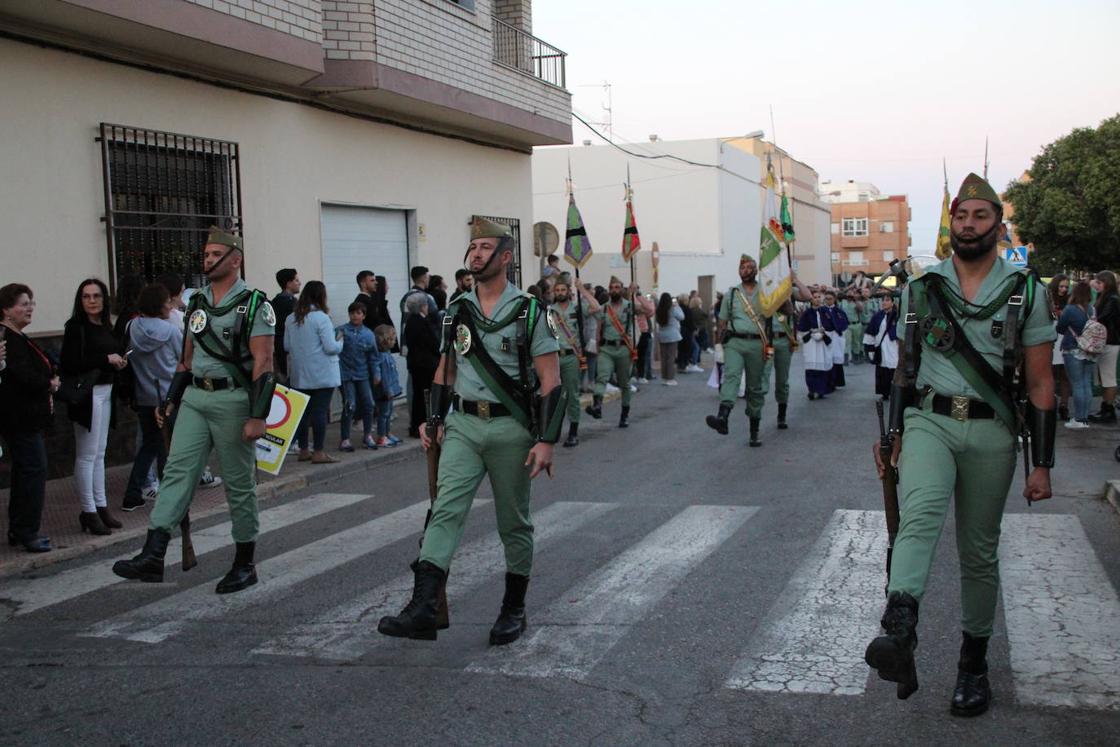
column 484, row 410
column 960, row 408
column 207, row 384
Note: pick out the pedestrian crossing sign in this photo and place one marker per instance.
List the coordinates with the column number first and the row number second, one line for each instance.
column 1016, row 255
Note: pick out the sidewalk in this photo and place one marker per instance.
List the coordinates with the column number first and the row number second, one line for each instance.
column 61, row 507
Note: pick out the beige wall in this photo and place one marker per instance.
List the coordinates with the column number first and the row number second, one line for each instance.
column 871, row 248
column 293, row 158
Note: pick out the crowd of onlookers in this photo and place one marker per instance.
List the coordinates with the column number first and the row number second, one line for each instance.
column 1087, row 313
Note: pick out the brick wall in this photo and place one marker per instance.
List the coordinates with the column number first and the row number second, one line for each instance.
column 517, row 13
column 296, row 17
column 348, row 30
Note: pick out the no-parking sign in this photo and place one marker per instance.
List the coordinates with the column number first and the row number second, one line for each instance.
column 287, row 409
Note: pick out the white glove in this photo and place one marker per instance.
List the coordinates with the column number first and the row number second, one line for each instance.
column 817, row 335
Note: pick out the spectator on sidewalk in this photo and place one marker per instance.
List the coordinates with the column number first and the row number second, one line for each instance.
column 1108, row 314
column 421, row 340
column 464, row 282
column 92, row 354
column 669, row 317
column 551, row 266
column 381, row 313
column 700, row 338
column 359, row 354
column 386, row 384
column 313, row 348
column 173, row 282
column 367, row 295
column 644, row 310
column 156, row 346
column 1058, row 293
column 688, row 337
column 437, row 289
column 26, row 385
column 1079, row 366
column 284, row 303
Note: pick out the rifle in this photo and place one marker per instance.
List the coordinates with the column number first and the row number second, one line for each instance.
column 190, row 560
column 890, row 485
column 442, row 617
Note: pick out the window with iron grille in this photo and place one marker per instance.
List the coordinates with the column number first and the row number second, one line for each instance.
column 513, row 272
column 163, row 191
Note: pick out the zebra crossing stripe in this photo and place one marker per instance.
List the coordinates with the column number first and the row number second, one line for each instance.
column 578, row 630
column 33, row 594
column 160, row 620
column 815, row 634
column 350, row 629
column 1061, row 612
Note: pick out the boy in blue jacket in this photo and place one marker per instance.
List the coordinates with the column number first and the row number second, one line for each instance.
column 386, row 383
column 358, row 358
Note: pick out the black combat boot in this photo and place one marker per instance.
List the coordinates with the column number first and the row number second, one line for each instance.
column 782, row 425
column 511, row 621
column 243, row 574
column 624, row 418
column 892, row 655
column 595, row 409
column 148, row 565
column 443, row 618
column 573, row 436
column 972, row 693
column 418, row 618
column 719, row 422
column 755, row 440
column 1107, row 414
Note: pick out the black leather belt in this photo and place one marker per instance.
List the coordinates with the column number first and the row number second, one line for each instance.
column 481, row 409
column 962, row 408
column 744, row 336
column 214, row 385
column 564, row 352
column 779, row 336
column 615, row 343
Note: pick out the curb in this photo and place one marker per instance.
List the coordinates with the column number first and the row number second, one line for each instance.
column 270, row 490
column 1112, row 494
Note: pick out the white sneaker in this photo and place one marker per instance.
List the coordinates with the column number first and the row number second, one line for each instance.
column 1076, row 425
column 694, row 369
column 209, row 480
column 151, row 493
column 611, row 388
column 669, row 382
column 641, row 380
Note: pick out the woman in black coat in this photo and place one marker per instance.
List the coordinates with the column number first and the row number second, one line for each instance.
column 27, row 381
column 421, row 339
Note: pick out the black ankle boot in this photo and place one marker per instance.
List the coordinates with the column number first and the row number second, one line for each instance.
column 972, row 693
column 92, row 523
column 755, row 440
column 719, row 422
column 108, row 519
column 782, row 425
column 573, row 436
column 892, row 655
column 148, row 565
column 418, row 618
column 595, row 409
column 511, row 621
column 1107, row 414
column 624, row 418
column 243, row 574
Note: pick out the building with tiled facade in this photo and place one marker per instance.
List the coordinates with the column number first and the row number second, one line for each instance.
column 868, row 230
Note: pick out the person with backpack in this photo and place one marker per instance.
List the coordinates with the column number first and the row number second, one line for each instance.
column 1108, row 314
column 1080, row 362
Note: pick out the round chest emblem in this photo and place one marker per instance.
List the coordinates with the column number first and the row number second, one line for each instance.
column 462, row 339
column 268, row 314
column 938, row 333
column 198, row 321
column 552, row 327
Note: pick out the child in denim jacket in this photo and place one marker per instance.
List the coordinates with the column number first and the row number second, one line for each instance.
column 358, row 358
column 386, row 383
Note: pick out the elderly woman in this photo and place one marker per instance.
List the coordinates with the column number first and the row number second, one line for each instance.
column 26, row 385
column 313, row 367
column 91, row 352
column 421, row 339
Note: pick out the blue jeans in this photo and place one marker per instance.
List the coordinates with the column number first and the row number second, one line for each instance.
column 356, row 394
column 28, row 453
column 1080, row 375
column 315, row 416
column 152, row 450
column 384, row 415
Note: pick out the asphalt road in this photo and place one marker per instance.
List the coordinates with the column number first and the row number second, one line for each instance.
column 687, row 591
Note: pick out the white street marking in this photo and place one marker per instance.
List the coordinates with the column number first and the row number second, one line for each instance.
column 813, row 639
column 585, row 622
column 350, row 629
column 35, row 593
column 1062, row 614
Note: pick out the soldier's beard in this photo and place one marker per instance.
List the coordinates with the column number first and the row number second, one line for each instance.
column 748, row 277
column 616, row 297
column 560, row 297
column 973, row 249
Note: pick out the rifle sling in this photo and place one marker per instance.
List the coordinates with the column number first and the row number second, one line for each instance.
column 498, row 381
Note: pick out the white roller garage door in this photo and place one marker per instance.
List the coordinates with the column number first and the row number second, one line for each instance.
column 361, row 238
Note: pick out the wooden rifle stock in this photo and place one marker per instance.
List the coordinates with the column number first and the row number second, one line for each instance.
column 190, row 560
column 890, row 485
column 434, row 450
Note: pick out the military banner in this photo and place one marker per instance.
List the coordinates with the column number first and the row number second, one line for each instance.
column 631, row 242
column 774, row 280
column 577, row 247
column 944, row 246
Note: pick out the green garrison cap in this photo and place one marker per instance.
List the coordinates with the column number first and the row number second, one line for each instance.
column 614, row 279
column 746, row 258
column 564, row 278
column 977, row 188
column 488, row 229
column 225, row 238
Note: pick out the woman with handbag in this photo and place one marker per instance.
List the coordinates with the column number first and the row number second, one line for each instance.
column 1079, row 366
column 26, row 385
column 91, row 357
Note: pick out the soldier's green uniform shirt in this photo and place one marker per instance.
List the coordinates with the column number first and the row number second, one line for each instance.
column 615, row 358
column 264, row 324
column 743, row 354
column 501, row 345
column 567, row 325
column 731, row 311
column 624, row 315
column 569, row 315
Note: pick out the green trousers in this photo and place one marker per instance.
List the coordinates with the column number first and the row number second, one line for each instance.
column 473, row 448
column 205, row 421
column 971, row 462
column 853, row 337
column 569, row 380
column 780, row 361
column 740, row 355
column 614, row 358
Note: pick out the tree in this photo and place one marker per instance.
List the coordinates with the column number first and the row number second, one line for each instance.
column 1069, row 206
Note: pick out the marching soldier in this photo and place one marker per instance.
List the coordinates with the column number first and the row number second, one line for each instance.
column 564, row 310
column 784, row 342
column 223, row 390
column 746, row 337
column 616, row 351
column 975, row 339
column 852, row 306
column 498, row 348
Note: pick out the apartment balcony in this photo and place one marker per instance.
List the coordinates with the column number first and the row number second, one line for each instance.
column 527, row 54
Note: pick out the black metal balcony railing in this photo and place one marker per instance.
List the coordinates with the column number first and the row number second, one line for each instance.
column 527, row 54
